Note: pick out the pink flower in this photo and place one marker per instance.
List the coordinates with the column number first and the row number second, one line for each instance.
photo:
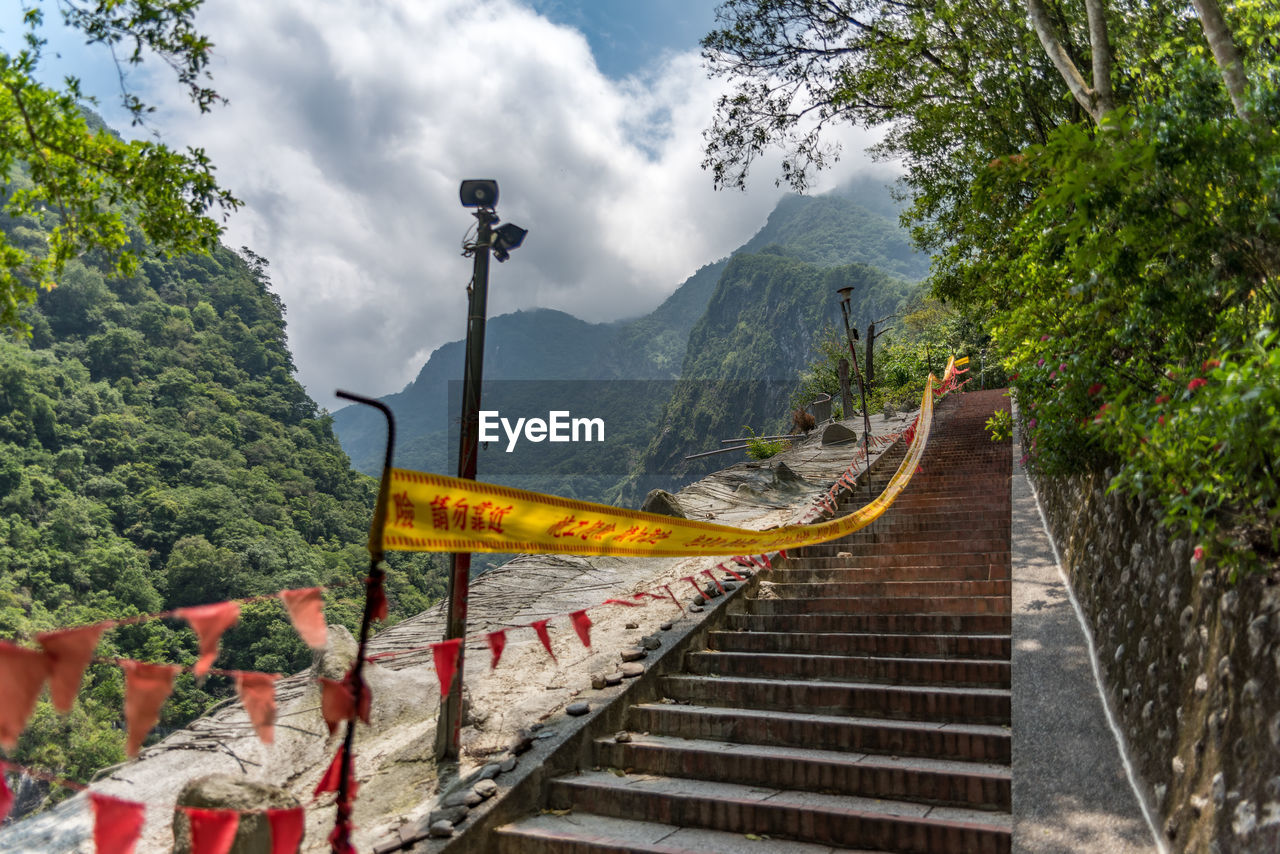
column 1172, row 374
column 1013, row 376
column 1198, row 554
column 1102, row 411
column 1053, row 374
column 1095, row 388
column 1044, row 337
column 1032, row 424
column 1040, row 363
column 1210, row 363
column 1196, row 383
column 1062, row 367
column 1160, row 420
column 1164, row 398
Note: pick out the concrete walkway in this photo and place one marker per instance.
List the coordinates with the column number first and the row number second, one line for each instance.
column 1071, row 794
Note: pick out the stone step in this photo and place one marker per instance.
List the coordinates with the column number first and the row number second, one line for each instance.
column 964, row 624
column 957, row 543
column 884, row 605
column 869, row 699
column 975, row 558
column 802, row 816
column 584, row 833
column 851, row 668
column 835, row 590
column 811, row 570
column 951, row 741
column 839, row 643
column 966, row 784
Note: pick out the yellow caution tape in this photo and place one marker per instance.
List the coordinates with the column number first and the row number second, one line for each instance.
column 434, row 513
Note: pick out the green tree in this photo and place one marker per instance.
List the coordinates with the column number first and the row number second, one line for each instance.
column 69, row 178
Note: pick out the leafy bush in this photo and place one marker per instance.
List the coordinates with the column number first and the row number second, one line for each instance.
column 762, row 449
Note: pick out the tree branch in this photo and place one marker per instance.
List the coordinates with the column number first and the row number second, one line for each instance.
column 1085, row 96
column 1225, row 54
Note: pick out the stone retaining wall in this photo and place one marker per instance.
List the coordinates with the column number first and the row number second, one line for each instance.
column 1191, row 663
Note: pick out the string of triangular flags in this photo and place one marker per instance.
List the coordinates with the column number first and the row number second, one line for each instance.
column 65, row 654
column 118, row 822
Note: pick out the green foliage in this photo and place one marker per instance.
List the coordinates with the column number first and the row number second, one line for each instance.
column 1207, row 443
column 761, row 449
column 1000, row 425
column 155, row 452
column 69, row 179
column 1140, row 255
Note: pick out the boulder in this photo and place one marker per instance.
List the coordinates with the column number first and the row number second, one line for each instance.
column 231, row 792
column 664, row 503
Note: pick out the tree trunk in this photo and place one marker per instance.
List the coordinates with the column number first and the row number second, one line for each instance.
column 1085, row 96
column 1225, row 54
column 1100, row 50
column 871, row 365
column 846, row 392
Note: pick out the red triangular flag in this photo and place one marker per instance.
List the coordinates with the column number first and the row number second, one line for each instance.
column 332, row 774
column 694, row 582
column 622, row 602
column 497, row 643
column 212, row 831
column 783, row 553
column 69, row 652
column 725, row 567
column 146, row 687
column 340, row 838
column 306, row 612
column 287, row 828
column 338, row 702
column 582, row 625
column 445, row 654
column 377, row 599
column 209, row 622
column 22, row 675
column 258, row 696
column 768, row 564
column 117, row 823
column 709, row 574
column 541, row 628
column 6, row 795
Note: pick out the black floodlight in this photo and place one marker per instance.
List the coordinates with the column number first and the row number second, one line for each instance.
column 506, row 237
column 479, row 193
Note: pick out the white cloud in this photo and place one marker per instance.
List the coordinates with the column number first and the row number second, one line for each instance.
column 351, row 123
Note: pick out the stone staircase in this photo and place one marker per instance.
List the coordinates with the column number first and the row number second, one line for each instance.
column 860, row 702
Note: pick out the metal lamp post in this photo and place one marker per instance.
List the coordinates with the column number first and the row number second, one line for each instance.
column 850, row 337
column 481, row 195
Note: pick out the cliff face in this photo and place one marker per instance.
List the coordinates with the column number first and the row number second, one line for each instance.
column 745, row 354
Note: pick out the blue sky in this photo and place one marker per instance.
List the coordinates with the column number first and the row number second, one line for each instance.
column 349, row 124
column 627, row 36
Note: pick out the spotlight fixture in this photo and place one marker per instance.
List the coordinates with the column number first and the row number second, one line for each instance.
column 479, row 193
column 506, row 237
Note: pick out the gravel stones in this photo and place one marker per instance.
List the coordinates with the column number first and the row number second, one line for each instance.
column 633, row 653
column 578, row 709
column 441, row 829
column 632, row 670
column 485, row 789
column 650, row 641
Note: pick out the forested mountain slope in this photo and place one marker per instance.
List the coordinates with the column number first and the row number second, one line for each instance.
column 156, row 452
column 850, row 226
